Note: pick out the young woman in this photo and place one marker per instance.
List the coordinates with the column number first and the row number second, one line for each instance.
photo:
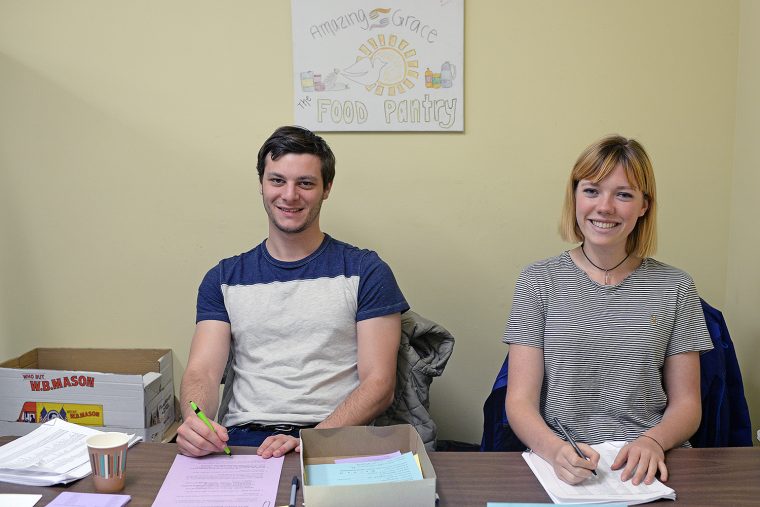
column 602, row 337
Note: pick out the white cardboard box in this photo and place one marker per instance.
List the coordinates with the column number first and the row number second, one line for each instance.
column 319, row 446
column 129, row 390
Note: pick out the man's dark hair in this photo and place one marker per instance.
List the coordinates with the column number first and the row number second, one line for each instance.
column 297, row 140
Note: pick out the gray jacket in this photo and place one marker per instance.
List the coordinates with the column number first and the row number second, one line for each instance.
column 424, row 351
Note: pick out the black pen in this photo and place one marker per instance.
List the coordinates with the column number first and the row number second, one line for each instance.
column 572, row 442
column 293, row 490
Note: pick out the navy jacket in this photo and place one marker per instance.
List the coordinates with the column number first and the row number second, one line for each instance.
column 725, row 416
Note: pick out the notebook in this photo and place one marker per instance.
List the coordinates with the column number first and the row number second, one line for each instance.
column 606, row 487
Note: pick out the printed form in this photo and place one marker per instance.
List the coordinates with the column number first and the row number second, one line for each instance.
column 240, row 480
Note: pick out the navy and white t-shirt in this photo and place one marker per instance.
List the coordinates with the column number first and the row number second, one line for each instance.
column 294, row 327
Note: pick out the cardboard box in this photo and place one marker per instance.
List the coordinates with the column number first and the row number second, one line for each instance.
column 320, row 446
column 130, row 390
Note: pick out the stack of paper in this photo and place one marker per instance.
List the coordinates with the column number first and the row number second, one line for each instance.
column 54, row 453
column 606, row 487
column 366, row 470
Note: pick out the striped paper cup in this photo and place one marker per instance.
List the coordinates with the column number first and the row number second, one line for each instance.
column 108, row 459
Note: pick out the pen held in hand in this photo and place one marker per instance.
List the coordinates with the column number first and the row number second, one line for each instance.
column 571, row 441
column 205, row 420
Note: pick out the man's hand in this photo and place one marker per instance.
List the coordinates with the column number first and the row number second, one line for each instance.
column 278, row 445
column 570, row 467
column 194, row 438
column 642, row 459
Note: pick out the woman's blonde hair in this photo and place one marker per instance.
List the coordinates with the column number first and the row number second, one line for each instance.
column 596, row 163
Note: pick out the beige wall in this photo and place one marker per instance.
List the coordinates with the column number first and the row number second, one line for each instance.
column 128, row 134
column 743, row 277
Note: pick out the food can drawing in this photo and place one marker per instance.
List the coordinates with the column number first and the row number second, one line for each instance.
column 307, row 81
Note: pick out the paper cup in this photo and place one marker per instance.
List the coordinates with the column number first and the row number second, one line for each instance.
column 108, row 459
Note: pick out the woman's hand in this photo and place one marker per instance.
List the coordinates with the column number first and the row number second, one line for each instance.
column 642, row 459
column 570, row 467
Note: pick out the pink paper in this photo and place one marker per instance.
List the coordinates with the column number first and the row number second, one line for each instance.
column 240, row 480
column 71, row 499
column 363, row 459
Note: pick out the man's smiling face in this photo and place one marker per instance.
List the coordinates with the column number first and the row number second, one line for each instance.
column 293, row 191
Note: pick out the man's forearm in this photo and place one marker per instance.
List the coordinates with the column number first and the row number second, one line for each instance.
column 198, row 388
column 362, row 405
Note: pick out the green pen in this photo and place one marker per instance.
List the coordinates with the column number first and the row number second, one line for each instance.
column 203, row 418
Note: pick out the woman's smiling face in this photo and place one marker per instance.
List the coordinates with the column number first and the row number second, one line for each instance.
column 607, row 211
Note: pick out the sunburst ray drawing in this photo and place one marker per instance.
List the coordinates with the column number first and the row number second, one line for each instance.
column 386, row 65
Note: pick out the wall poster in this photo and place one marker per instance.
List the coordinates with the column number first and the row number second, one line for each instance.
column 371, row 66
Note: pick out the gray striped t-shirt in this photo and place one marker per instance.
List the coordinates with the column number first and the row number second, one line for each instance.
column 605, row 346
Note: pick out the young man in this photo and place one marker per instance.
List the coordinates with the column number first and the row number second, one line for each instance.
column 313, row 323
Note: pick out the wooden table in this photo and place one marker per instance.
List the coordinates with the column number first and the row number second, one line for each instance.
column 708, row 477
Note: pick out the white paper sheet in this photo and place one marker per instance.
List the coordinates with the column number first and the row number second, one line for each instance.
column 605, row 487
column 10, row 500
